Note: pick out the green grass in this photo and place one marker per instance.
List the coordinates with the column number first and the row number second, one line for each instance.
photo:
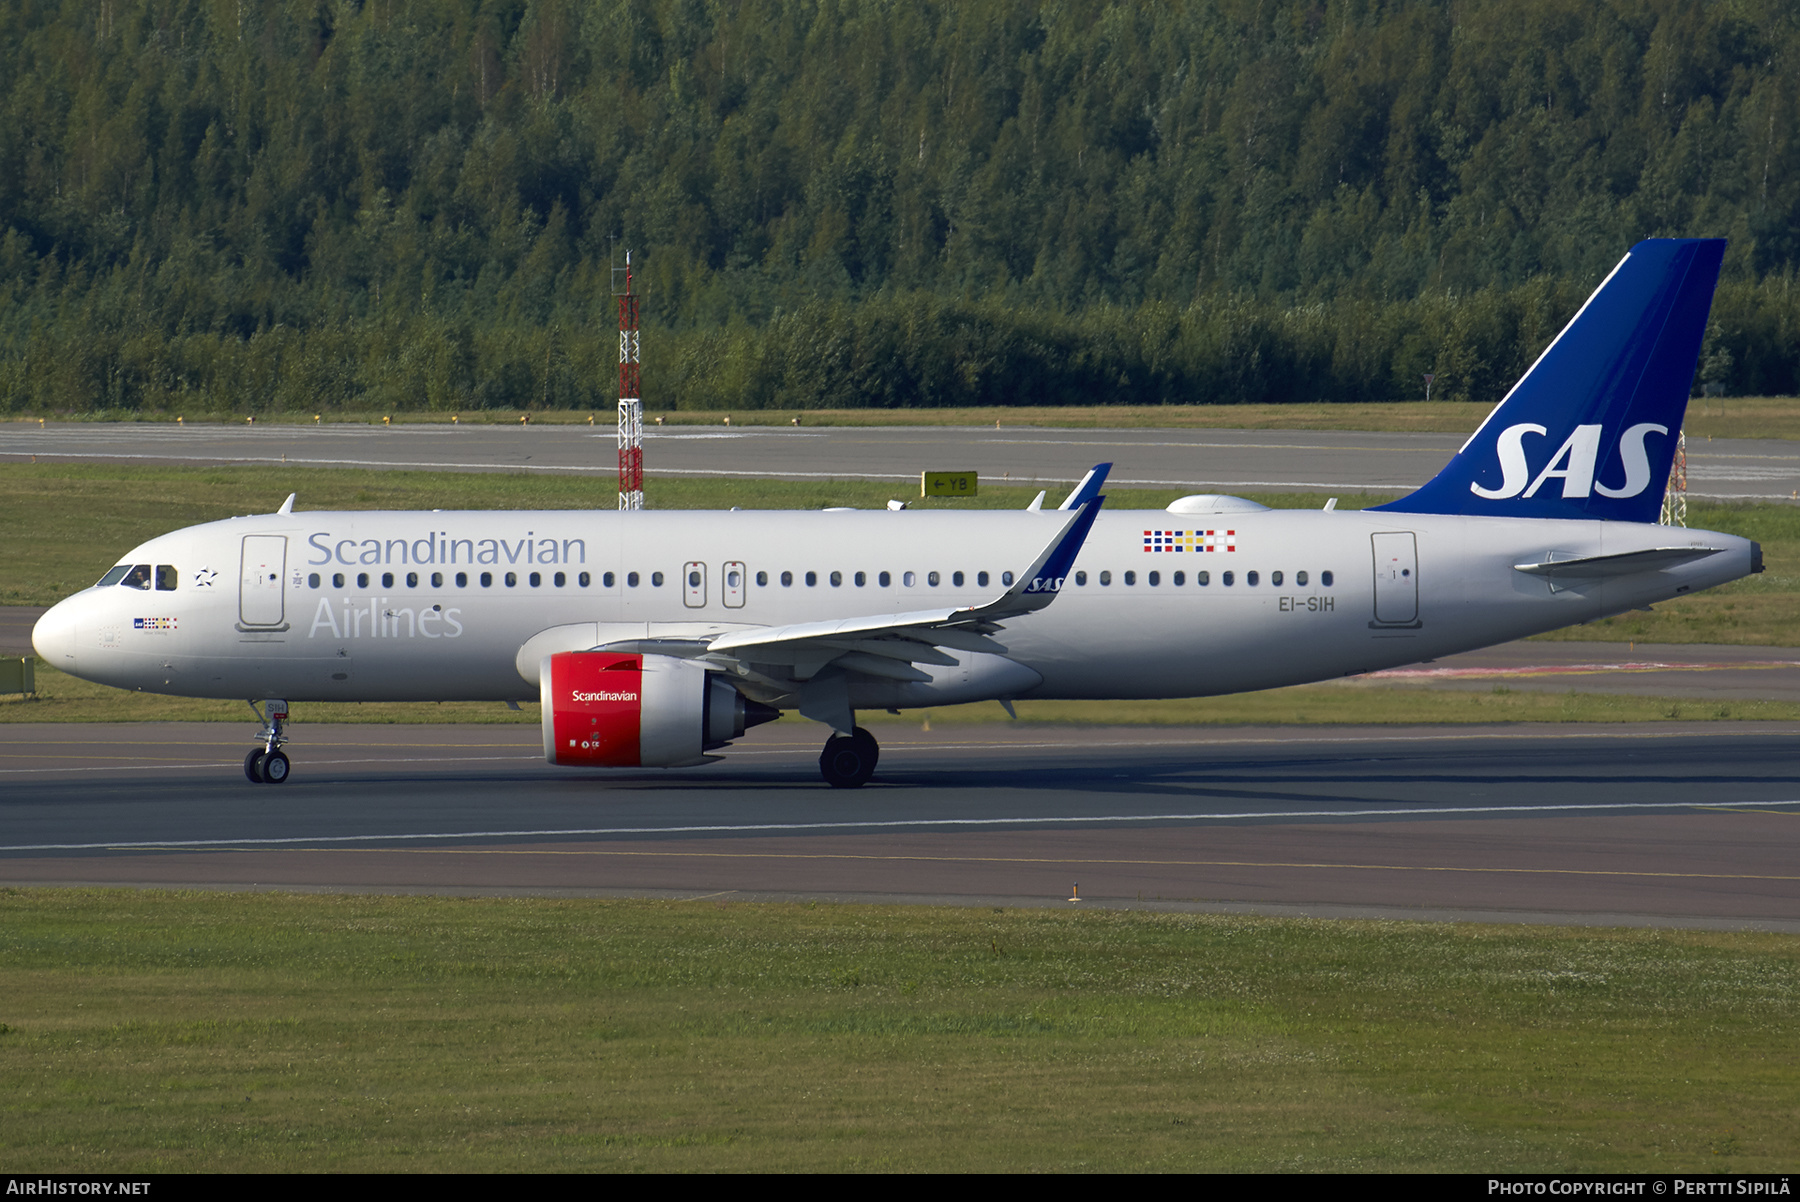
column 164, row 1032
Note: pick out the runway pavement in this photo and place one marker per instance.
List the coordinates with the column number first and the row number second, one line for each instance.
column 16, row 622
column 1203, row 460
column 1673, row 825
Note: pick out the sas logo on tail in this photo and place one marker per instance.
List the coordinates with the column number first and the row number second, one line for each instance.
column 1573, row 463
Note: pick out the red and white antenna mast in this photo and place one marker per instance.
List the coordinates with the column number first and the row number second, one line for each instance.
column 1674, row 506
column 631, row 404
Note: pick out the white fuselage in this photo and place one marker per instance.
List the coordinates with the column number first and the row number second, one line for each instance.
column 320, row 606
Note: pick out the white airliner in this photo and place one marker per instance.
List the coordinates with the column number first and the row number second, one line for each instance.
column 653, row 638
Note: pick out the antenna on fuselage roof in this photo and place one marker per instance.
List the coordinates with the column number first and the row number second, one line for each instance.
column 287, row 506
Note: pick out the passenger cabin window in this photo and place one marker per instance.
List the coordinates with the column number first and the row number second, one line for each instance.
column 1202, row 578
column 362, row 580
column 885, row 580
column 1106, row 578
column 956, row 579
column 1275, row 579
column 584, row 579
column 462, row 580
column 981, row 579
column 931, row 578
column 762, row 580
column 337, row 580
column 1300, row 579
column 312, row 580
column 1228, row 579
column 559, row 579
column 487, row 580
column 412, row 580
column 812, row 580
column 1080, row 577
column 656, row 580
column 631, row 579
column 1250, row 579
column 1325, row 579
column 1131, row 578
column 1180, row 578
column 787, row 580
column 512, row 580
column 607, row 579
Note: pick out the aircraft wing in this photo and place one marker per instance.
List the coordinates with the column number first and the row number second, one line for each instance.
column 887, row 645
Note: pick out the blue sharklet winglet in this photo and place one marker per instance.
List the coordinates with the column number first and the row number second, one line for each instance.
column 1088, row 488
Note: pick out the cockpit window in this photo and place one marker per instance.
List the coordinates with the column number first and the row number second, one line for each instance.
column 138, row 577
column 113, row 577
column 165, row 578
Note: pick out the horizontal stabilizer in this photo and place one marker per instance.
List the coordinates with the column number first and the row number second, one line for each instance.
column 1595, row 567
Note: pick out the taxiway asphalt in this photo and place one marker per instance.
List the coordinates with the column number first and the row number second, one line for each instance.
column 1202, row 460
column 1691, row 825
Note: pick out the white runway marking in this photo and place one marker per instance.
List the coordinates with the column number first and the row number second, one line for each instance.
column 893, row 824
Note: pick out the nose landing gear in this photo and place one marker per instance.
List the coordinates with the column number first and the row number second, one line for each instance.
column 268, row 764
column 848, row 761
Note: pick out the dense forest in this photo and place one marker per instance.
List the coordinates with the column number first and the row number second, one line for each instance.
column 303, row 205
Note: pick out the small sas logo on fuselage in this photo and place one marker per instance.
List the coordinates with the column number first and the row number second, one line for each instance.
column 153, row 623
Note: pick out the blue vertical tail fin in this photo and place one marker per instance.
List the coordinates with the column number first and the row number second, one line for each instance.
column 1590, row 430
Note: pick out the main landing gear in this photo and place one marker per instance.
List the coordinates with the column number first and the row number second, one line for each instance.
column 268, row 764
column 848, row 761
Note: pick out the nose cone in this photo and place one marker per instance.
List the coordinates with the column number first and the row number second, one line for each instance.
column 54, row 636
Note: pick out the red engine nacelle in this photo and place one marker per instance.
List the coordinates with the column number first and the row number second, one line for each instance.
column 620, row 710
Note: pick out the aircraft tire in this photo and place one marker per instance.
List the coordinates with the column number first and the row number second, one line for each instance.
column 873, row 748
column 274, row 768
column 848, row 761
column 253, row 765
